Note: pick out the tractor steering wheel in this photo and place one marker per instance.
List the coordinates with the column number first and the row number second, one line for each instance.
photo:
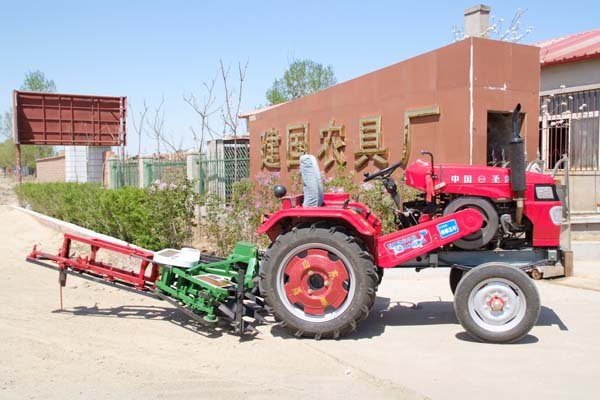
column 384, row 173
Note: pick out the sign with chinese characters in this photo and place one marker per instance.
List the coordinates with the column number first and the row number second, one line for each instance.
column 333, row 141
column 468, row 179
column 298, row 143
column 448, row 228
column 332, row 145
column 269, row 149
column 370, row 144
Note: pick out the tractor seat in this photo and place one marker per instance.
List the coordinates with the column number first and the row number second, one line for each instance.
column 311, row 181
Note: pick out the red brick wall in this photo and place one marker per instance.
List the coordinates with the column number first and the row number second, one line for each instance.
column 466, row 80
column 51, row 169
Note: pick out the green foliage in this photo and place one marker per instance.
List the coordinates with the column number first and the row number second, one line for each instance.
column 373, row 194
column 36, row 81
column 29, row 154
column 252, row 199
column 302, row 78
column 341, row 181
column 154, row 218
column 380, row 202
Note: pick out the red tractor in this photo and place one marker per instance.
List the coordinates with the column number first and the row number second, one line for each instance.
column 489, row 225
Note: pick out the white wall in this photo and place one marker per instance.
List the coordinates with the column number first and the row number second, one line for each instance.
column 84, row 163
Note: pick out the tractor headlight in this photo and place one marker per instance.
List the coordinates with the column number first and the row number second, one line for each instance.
column 556, row 215
column 545, row 192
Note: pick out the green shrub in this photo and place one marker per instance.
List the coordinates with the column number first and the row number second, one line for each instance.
column 225, row 225
column 154, row 218
column 251, row 200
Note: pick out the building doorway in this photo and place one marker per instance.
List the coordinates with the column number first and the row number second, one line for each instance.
column 499, row 135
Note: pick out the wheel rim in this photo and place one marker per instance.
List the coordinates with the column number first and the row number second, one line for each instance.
column 314, row 282
column 497, row 305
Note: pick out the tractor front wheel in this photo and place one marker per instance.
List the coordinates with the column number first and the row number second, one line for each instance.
column 319, row 281
column 497, row 303
column 456, row 275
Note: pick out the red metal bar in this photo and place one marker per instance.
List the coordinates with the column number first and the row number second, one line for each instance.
column 89, row 264
column 398, row 247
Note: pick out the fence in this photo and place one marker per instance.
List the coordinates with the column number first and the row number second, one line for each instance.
column 123, row 174
column 218, row 176
column 163, row 171
column 128, row 173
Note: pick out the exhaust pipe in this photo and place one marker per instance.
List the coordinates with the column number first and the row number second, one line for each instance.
column 517, row 165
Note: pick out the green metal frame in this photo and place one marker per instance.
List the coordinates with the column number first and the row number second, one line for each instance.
column 202, row 297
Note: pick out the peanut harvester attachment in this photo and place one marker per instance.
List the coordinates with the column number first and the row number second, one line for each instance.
column 211, row 290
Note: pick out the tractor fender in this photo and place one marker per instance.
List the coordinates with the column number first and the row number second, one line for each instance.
column 282, row 219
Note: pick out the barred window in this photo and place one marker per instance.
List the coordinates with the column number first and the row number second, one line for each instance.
column 569, row 124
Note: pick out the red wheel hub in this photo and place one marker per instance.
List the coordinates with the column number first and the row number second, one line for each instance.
column 496, row 303
column 316, row 279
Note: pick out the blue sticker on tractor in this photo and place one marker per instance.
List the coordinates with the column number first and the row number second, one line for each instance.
column 447, row 228
column 414, row 241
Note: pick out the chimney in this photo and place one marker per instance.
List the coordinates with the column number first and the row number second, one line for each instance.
column 477, row 21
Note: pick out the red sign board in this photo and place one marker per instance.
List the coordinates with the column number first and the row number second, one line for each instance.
column 68, row 119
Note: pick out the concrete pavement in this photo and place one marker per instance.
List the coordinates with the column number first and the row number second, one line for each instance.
column 113, row 344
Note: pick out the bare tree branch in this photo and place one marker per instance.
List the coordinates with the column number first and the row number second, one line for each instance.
column 231, row 108
column 157, row 125
column 171, row 143
column 139, row 126
column 204, row 110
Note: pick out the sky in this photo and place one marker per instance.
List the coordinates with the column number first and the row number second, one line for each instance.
column 149, row 49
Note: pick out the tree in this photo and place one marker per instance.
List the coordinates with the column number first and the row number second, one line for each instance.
column 36, row 81
column 512, row 33
column 302, row 78
column 204, row 108
column 228, row 109
column 28, row 154
column 6, row 125
column 139, row 126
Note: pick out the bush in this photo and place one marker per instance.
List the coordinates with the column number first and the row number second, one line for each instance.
column 226, row 225
column 154, row 218
column 372, row 193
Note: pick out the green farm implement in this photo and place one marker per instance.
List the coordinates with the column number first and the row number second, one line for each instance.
column 211, row 290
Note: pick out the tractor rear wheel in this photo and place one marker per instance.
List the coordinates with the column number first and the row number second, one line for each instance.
column 319, row 281
column 489, row 228
column 497, row 303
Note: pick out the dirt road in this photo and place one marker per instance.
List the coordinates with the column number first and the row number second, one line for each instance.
column 112, row 344
column 116, row 345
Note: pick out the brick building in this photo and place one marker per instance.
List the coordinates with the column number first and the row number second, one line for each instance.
column 454, row 101
column 570, row 113
column 50, row 169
